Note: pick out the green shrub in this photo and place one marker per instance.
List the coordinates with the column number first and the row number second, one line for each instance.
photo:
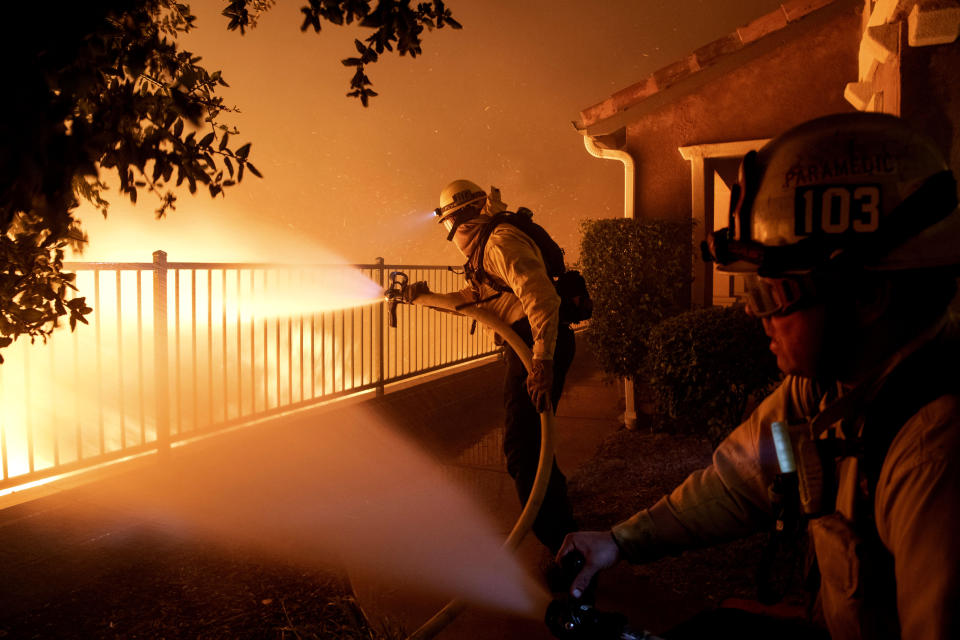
column 704, row 367
column 638, row 273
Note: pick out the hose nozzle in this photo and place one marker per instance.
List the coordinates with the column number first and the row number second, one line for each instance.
column 577, row 619
column 395, row 293
column 571, row 619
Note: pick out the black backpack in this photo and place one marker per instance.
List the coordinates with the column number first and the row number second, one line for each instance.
column 575, row 303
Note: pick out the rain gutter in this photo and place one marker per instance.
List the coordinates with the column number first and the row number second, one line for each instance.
column 612, row 147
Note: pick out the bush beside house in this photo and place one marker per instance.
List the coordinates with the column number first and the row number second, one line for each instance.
column 637, row 272
column 705, row 366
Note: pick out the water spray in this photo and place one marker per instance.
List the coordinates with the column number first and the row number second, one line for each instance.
column 396, row 293
column 567, row 618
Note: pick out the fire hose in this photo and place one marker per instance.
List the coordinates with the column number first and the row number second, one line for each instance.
column 568, row 619
column 394, row 295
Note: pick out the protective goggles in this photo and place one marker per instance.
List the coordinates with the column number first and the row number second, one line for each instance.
column 778, row 296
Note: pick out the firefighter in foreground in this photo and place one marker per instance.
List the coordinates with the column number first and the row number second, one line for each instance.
column 848, row 229
column 508, row 276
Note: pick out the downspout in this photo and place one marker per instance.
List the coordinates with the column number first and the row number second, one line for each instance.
column 629, row 186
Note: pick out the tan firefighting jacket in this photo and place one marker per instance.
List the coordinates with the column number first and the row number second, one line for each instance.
column 514, row 259
column 916, row 506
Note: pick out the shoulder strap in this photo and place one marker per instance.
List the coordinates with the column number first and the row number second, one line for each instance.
column 522, row 220
column 474, row 266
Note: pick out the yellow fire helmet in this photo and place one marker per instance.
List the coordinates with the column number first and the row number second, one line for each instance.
column 454, row 197
column 856, row 190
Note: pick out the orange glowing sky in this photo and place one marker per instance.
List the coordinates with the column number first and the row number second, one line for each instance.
column 492, row 103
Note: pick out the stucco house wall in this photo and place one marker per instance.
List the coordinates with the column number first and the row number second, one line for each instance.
column 800, row 80
column 809, row 58
column 930, row 95
column 798, row 77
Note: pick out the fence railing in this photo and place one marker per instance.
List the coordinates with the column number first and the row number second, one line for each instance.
column 175, row 350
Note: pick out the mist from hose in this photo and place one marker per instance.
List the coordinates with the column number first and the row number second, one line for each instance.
column 345, row 490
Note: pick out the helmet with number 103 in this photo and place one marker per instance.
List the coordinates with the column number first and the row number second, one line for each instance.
column 856, row 190
column 847, row 192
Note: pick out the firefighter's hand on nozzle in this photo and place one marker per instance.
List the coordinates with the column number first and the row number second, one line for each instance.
column 540, row 383
column 414, row 290
column 600, row 551
column 400, row 291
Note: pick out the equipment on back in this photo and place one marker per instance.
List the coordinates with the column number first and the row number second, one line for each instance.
column 575, row 303
column 847, row 191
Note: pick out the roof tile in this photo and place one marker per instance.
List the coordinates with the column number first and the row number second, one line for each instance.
column 709, row 53
column 796, row 9
column 675, row 72
column 705, row 56
column 762, row 26
column 638, row 91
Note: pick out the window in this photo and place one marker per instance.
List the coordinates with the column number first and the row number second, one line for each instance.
column 713, row 170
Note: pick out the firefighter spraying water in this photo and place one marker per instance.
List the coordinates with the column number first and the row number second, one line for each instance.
column 516, row 273
column 401, row 291
column 567, row 618
column 518, row 285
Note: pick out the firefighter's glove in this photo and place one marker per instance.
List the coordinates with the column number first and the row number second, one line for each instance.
column 413, row 290
column 540, row 383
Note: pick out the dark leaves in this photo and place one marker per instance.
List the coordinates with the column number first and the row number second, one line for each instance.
column 106, row 90
column 396, row 27
column 244, row 14
column 310, row 19
column 33, row 285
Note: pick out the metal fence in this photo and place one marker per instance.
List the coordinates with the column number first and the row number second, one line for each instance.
column 176, row 350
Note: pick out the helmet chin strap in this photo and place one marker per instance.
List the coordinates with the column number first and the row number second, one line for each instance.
column 464, row 215
column 454, row 225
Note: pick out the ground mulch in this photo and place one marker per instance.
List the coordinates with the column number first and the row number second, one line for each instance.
column 163, row 588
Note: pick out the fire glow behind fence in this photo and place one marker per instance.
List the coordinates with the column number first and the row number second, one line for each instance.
column 241, row 342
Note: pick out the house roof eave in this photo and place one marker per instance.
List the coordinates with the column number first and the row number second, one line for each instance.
column 708, row 63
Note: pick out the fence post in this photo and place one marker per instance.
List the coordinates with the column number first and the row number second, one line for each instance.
column 160, row 355
column 381, row 330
